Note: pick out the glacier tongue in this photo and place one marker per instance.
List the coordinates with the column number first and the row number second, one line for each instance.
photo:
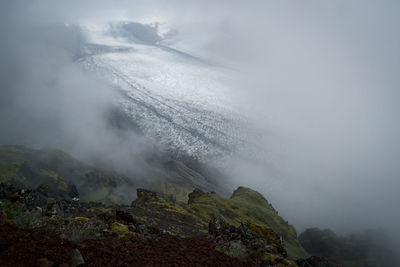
column 179, row 100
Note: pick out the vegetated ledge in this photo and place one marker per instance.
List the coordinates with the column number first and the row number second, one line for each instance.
column 208, row 230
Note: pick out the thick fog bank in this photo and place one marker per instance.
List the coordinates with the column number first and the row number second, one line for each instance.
column 318, row 79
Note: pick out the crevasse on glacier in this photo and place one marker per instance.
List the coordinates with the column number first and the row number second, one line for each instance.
column 176, row 98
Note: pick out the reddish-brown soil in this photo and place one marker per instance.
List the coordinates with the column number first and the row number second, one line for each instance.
column 22, row 247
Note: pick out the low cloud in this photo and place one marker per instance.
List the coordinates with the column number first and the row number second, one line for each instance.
column 318, row 79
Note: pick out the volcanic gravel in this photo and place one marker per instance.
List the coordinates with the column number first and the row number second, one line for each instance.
column 34, row 247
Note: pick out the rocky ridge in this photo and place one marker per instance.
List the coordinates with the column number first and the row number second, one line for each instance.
column 32, row 214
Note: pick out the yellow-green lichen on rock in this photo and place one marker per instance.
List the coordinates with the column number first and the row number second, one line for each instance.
column 121, row 230
column 210, row 205
column 152, row 199
column 80, row 219
column 245, row 205
column 255, row 208
column 276, row 260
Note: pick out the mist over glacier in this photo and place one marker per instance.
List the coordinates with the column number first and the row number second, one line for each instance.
column 299, row 99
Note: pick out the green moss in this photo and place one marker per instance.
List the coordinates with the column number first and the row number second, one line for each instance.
column 9, row 171
column 276, row 260
column 248, row 205
column 211, row 205
column 118, row 228
column 171, row 207
column 160, row 203
column 255, row 208
column 127, row 235
column 249, row 195
column 234, row 253
column 272, row 238
column 80, row 219
column 62, row 185
column 121, row 230
column 179, row 193
column 17, row 216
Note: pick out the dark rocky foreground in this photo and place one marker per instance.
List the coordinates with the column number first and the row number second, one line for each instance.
column 34, row 233
column 30, row 247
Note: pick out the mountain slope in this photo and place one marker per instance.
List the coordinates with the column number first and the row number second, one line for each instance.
column 176, row 98
column 29, row 168
column 177, row 208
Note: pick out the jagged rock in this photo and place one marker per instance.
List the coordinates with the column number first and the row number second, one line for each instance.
column 144, row 195
column 106, row 217
column 194, row 195
column 38, row 211
column 76, row 258
column 32, row 199
column 43, row 189
column 246, row 238
column 125, row 217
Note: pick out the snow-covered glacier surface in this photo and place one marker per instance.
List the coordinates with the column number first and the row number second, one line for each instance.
column 178, row 99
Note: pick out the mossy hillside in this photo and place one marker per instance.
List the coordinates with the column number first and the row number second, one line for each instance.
column 23, row 175
column 176, row 218
column 256, row 208
column 9, row 172
column 210, row 205
column 172, row 191
column 248, row 205
column 235, row 253
column 161, row 203
column 28, row 168
column 276, row 260
column 58, row 181
column 245, row 205
column 267, row 233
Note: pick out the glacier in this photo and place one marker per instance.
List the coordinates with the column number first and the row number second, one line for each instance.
column 178, row 99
